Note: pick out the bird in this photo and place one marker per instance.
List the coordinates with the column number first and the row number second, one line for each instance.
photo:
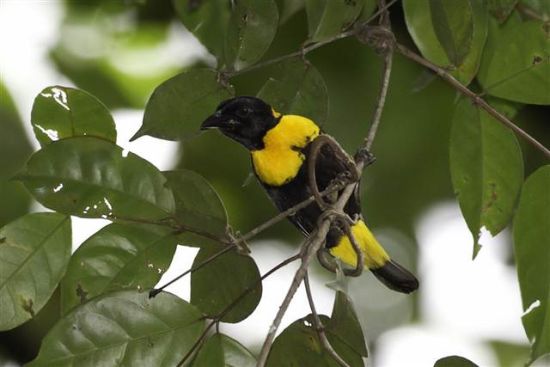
column 280, row 148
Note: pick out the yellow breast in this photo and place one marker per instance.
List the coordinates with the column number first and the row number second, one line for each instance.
column 280, row 159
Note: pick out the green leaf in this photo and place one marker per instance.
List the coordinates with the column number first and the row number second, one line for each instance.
column 501, row 9
column 198, row 206
column 124, row 328
column 454, row 27
column 532, row 250
column 327, row 18
column 91, row 177
column 345, row 325
column 295, row 87
column 179, row 105
column 516, row 61
column 252, row 28
column 61, row 112
column 454, row 361
column 299, row 345
column 486, row 169
column 15, row 149
column 223, row 281
column 287, row 9
column 34, row 253
column 207, row 20
column 418, row 16
column 119, row 256
column 221, row 351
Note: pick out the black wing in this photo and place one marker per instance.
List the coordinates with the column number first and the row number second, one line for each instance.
column 329, row 165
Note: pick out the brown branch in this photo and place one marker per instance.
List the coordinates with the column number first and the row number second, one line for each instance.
column 475, row 98
column 319, row 327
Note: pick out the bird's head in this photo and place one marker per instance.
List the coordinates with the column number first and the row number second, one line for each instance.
column 243, row 119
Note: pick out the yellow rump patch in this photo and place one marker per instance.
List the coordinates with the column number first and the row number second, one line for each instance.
column 280, row 159
column 375, row 255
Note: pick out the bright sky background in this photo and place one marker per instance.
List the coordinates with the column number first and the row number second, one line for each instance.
column 462, row 303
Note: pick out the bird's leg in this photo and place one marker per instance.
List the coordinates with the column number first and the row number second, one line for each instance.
column 365, row 156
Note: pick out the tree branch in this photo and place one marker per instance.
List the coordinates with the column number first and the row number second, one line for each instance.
column 319, row 327
column 475, row 98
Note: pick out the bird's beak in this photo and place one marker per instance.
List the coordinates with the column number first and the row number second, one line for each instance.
column 214, row 121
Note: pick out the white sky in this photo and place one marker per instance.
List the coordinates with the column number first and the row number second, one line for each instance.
column 462, row 305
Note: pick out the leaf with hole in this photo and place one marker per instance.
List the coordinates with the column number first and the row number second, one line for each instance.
column 34, row 253
column 198, row 206
column 229, row 284
column 327, row 18
column 61, row 112
column 532, row 254
column 222, row 351
column 179, row 105
column 299, row 345
column 118, row 256
column 295, row 87
column 516, row 61
column 124, row 328
column 252, row 28
column 419, row 18
column 93, row 178
column 207, row 20
column 486, row 169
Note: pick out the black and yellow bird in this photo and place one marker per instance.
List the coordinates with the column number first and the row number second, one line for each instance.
column 280, row 148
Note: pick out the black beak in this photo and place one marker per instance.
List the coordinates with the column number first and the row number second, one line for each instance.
column 214, row 121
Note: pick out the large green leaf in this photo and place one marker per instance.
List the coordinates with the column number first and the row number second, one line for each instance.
column 124, row 328
column 62, row 112
column 516, row 61
column 207, row 20
column 501, row 9
column 542, row 7
column 15, row 149
column 179, row 105
column 295, row 87
column 454, row 361
column 222, row 351
column 453, row 23
column 219, row 284
column 287, row 9
column 532, row 250
column 419, row 19
column 299, row 345
column 345, row 325
column 119, row 256
column 486, row 169
column 251, row 29
column 198, row 206
column 34, row 253
column 91, row 177
column 327, row 18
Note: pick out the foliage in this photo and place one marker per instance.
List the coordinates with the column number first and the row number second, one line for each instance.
column 108, row 317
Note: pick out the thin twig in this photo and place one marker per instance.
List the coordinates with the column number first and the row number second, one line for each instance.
column 156, row 291
column 319, row 327
column 475, row 98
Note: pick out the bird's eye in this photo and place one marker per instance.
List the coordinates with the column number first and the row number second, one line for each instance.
column 244, row 112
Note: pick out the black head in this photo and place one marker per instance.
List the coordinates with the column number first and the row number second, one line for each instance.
column 244, row 119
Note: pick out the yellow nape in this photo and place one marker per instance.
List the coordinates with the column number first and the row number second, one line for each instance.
column 375, row 255
column 280, row 159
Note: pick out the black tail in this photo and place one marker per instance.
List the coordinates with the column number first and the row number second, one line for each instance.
column 396, row 277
